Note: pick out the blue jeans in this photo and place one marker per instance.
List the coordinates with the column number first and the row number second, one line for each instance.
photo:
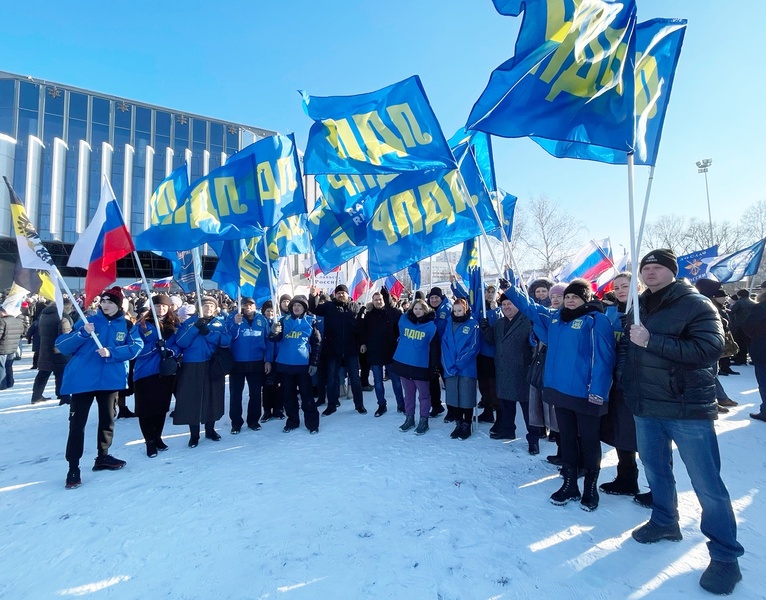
column 760, row 376
column 396, row 383
column 698, row 447
column 351, row 364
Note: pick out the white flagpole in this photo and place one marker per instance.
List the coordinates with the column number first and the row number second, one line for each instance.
column 633, row 247
column 277, row 308
column 148, row 292
column 646, row 208
column 77, row 306
column 197, row 269
column 481, row 292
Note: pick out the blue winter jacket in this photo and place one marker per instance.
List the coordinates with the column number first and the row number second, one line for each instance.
column 581, row 353
column 86, row 371
column 493, row 314
column 440, row 315
column 299, row 342
column 460, row 346
column 198, row 348
column 148, row 361
column 250, row 339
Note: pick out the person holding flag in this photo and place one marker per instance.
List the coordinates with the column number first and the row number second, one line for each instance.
column 97, row 371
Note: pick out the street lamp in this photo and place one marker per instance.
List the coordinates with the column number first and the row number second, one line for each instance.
column 702, row 167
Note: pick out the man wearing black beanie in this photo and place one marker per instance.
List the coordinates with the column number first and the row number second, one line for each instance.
column 668, row 381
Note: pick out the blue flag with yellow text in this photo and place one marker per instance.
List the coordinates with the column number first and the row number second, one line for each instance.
column 164, row 200
column 386, row 131
column 420, row 214
column 335, row 238
column 576, row 86
column 240, row 268
column 288, row 237
column 507, row 204
column 481, row 144
column 351, row 197
column 278, row 172
column 658, row 47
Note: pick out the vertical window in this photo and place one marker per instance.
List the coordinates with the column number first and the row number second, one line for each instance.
column 7, row 99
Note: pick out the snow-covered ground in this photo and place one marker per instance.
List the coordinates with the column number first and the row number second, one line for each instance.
column 358, row 511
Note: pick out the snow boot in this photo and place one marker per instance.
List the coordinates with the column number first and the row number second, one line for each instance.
column 456, row 432
column 151, row 449
column 720, row 578
column 625, row 484
column 409, row 423
column 465, row 430
column 644, row 499
column 422, row 426
column 589, row 501
column 487, row 416
column 568, row 490
column 650, row 533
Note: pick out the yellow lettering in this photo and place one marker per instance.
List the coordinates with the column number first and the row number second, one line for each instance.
column 227, row 197
column 406, row 213
column 378, row 139
column 381, row 221
column 414, row 334
column 164, row 203
column 407, row 125
column 436, row 205
column 341, row 136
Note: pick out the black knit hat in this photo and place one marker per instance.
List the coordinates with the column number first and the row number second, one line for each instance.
column 302, row 301
column 247, row 300
column 436, row 291
column 284, row 297
column 662, row 256
column 268, row 305
column 581, row 288
column 162, row 299
column 720, row 293
column 420, row 295
column 340, row 288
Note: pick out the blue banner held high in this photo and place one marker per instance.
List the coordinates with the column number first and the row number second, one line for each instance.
column 507, row 204
column 738, row 265
column 576, row 86
column 386, row 131
column 481, row 144
column 658, row 47
column 288, row 237
column 335, row 238
column 694, row 266
column 240, row 268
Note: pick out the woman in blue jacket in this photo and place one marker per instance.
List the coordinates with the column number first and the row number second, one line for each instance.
column 298, row 347
column 415, row 361
column 199, row 392
column 577, row 379
column 154, row 391
column 460, row 345
column 98, row 373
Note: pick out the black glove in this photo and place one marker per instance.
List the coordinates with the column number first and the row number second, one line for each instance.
column 484, row 323
column 362, row 309
column 504, row 284
column 201, row 326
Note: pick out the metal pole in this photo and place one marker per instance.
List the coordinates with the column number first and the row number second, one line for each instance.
column 633, row 248
column 709, row 213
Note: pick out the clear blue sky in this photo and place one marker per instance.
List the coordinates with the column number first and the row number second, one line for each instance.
column 243, row 60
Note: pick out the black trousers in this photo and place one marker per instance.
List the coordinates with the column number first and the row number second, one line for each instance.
column 41, row 380
column 507, row 415
column 78, row 418
column 485, row 370
column 151, row 427
column 435, row 389
column 588, row 427
column 236, row 388
column 291, row 384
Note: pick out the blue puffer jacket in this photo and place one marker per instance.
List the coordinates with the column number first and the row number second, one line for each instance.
column 87, row 371
column 250, row 340
column 198, row 348
column 440, row 315
column 493, row 314
column 581, row 353
column 148, row 361
column 460, row 346
column 298, row 343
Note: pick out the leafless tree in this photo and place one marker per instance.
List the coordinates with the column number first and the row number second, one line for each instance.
column 549, row 235
column 753, row 223
column 667, row 231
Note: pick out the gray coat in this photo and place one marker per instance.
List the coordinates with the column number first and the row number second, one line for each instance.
column 513, row 354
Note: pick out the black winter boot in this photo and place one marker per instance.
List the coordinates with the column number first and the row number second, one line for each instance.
column 555, row 459
column 409, row 423
column 456, row 432
column 422, row 426
column 487, row 416
column 626, row 482
column 720, row 578
column 569, row 490
column 589, row 500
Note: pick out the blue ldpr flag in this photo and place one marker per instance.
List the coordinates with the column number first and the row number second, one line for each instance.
column 222, row 205
column 335, row 238
column 420, row 214
column 738, row 265
column 240, row 268
column 288, row 237
column 387, row 131
column 278, row 172
column 469, row 269
column 351, row 197
column 576, row 86
column 658, row 47
column 414, row 272
column 165, row 198
column 694, row 266
column 481, row 144
column 183, row 268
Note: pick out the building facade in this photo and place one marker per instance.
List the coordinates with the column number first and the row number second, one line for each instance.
column 57, row 141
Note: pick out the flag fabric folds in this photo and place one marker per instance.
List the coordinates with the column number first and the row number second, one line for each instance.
column 35, row 281
column 470, row 271
column 33, row 254
column 14, row 299
column 335, row 238
column 183, row 268
column 420, row 214
column 507, row 205
column 289, row 236
column 576, row 86
column 415, row 276
column 393, row 285
column 738, row 265
column 694, row 266
column 165, row 198
column 658, row 47
column 604, row 281
column 359, row 282
column 163, row 283
column 390, row 130
column 105, row 241
column 135, row 286
column 481, row 145
column 240, row 268
column 591, row 260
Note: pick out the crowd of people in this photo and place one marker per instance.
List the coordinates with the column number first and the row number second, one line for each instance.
column 579, row 369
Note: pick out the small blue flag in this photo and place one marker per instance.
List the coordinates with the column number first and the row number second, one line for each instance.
column 335, row 238
column 738, row 265
column 240, row 268
column 414, row 272
column 183, row 268
column 576, row 86
column 694, row 266
column 481, row 144
column 390, row 130
column 470, row 271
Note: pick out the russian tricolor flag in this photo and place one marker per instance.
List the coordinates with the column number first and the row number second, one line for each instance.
column 105, row 241
column 163, row 283
column 360, row 283
column 590, row 262
column 394, row 286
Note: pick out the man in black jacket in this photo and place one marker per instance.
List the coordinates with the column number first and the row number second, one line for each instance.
column 341, row 342
column 668, row 378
